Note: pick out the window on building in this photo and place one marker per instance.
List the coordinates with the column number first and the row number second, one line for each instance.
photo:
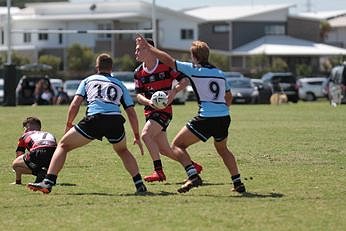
column 106, row 26
column 221, row 28
column 43, row 36
column 274, row 29
column 186, row 34
column 60, row 38
column 27, row 37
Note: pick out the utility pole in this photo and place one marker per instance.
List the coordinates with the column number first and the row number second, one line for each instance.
column 308, row 5
column 8, row 33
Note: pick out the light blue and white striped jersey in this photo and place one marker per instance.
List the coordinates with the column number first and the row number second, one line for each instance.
column 209, row 85
column 104, row 94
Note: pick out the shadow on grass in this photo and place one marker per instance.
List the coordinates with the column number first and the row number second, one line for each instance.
column 204, row 183
column 162, row 193
column 66, row 184
column 261, row 195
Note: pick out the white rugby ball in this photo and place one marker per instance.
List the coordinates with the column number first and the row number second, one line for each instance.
column 159, row 99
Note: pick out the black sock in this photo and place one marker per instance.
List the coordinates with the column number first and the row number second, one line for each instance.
column 236, row 180
column 137, row 179
column 157, row 165
column 51, row 178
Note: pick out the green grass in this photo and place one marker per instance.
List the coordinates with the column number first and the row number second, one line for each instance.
column 292, row 159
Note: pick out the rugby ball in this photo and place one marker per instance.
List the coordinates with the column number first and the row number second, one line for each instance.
column 159, row 99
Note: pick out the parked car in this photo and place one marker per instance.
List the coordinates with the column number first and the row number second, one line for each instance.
column 25, row 91
column 243, row 90
column 71, row 86
column 337, row 85
column 57, row 84
column 310, row 89
column 263, row 93
column 1, row 90
column 127, row 78
column 233, row 74
column 281, row 82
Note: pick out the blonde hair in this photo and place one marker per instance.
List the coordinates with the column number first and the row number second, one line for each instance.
column 200, row 50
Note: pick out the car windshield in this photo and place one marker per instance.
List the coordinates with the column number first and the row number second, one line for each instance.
column 239, row 83
column 284, row 79
column 233, row 74
column 72, row 86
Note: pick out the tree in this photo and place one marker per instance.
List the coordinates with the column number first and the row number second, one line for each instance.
column 278, row 64
column 325, row 28
column 125, row 63
column 51, row 60
column 220, row 61
column 80, row 59
column 303, row 70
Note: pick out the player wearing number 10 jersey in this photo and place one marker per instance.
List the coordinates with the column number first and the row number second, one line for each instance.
column 104, row 95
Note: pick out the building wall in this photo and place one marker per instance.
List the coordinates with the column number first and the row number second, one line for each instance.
column 219, row 41
column 245, row 32
column 303, row 28
column 337, row 37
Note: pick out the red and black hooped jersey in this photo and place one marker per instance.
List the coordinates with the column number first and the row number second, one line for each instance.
column 35, row 139
column 159, row 79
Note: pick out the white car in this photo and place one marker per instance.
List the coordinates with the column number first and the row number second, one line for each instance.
column 127, row 78
column 70, row 87
column 310, row 89
column 1, row 90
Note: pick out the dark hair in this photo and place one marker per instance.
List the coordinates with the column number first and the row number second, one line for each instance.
column 104, row 62
column 33, row 123
column 150, row 41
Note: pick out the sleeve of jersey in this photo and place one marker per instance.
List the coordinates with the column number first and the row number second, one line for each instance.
column 184, row 67
column 81, row 88
column 21, row 145
column 126, row 99
column 177, row 75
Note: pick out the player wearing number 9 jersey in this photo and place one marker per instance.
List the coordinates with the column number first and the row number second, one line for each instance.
column 213, row 119
column 104, row 95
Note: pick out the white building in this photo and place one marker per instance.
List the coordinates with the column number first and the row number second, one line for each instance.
column 175, row 30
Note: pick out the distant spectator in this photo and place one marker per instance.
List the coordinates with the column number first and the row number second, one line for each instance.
column 44, row 94
column 62, row 97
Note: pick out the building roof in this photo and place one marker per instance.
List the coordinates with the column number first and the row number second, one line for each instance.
column 92, row 11
column 287, row 46
column 338, row 22
column 232, row 13
column 323, row 14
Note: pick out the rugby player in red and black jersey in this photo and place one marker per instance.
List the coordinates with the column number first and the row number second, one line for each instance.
column 41, row 146
column 149, row 77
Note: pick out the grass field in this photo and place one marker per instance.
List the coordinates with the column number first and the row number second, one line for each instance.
column 292, row 159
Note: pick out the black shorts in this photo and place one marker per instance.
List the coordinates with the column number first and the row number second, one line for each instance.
column 39, row 158
column 98, row 126
column 162, row 118
column 205, row 127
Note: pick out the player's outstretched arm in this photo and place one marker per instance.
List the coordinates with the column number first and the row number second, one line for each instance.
column 132, row 115
column 161, row 55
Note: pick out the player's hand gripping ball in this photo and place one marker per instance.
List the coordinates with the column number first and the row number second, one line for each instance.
column 159, row 99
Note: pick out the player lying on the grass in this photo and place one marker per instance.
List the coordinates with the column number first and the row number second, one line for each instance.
column 41, row 146
column 104, row 95
column 152, row 76
column 213, row 119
